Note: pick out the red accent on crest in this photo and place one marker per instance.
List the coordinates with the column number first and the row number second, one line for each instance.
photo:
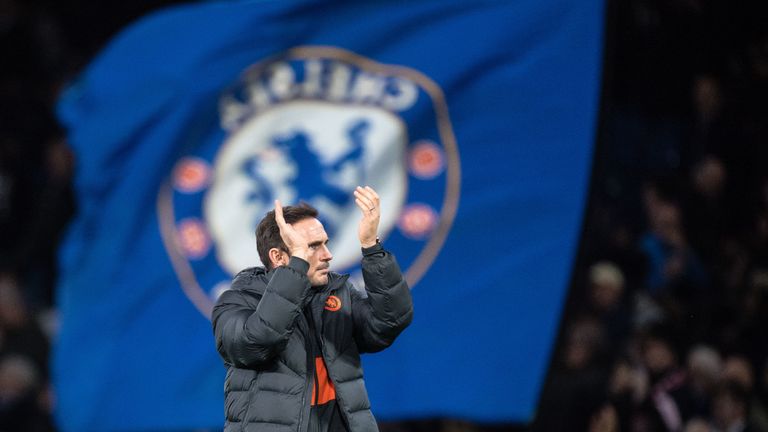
column 194, row 238
column 417, row 221
column 191, row 175
column 425, row 160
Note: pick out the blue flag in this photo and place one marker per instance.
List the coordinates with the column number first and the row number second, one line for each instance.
column 474, row 120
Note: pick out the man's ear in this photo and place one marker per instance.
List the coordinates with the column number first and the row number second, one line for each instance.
column 278, row 257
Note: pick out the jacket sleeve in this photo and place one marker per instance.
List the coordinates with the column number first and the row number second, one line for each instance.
column 248, row 337
column 388, row 309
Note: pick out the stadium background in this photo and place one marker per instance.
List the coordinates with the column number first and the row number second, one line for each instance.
column 671, row 276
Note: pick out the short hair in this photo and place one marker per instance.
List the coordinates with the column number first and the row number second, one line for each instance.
column 605, row 272
column 268, row 233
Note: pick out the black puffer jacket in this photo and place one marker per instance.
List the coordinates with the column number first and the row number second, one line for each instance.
column 262, row 336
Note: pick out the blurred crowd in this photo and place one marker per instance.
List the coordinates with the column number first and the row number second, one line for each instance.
column 35, row 202
column 664, row 326
column 43, row 43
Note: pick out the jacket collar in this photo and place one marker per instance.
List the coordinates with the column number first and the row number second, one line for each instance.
column 335, row 281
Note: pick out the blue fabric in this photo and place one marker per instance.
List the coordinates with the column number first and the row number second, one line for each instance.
column 486, row 224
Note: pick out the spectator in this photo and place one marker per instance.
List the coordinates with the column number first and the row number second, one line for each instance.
column 677, row 279
column 605, row 420
column 21, row 334
column 697, row 424
column 706, row 209
column 627, row 388
column 20, row 409
column 608, row 303
column 576, row 387
column 731, row 409
column 704, row 374
column 668, row 403
column 738, row 370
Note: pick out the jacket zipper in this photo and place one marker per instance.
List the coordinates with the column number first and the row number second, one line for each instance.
column 339, row 401
column 312, row 355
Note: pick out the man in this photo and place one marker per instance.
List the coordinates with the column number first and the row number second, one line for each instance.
column 291, row 334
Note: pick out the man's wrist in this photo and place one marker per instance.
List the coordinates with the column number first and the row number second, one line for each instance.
column 372, row 250
column 370, row 243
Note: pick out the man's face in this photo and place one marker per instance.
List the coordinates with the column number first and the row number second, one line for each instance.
column 318, row 255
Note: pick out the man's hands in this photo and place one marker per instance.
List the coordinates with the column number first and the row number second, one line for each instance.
column 368, row 201
column 294, row 240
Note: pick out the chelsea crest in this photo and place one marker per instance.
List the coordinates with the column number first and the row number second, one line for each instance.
column 309, row 125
